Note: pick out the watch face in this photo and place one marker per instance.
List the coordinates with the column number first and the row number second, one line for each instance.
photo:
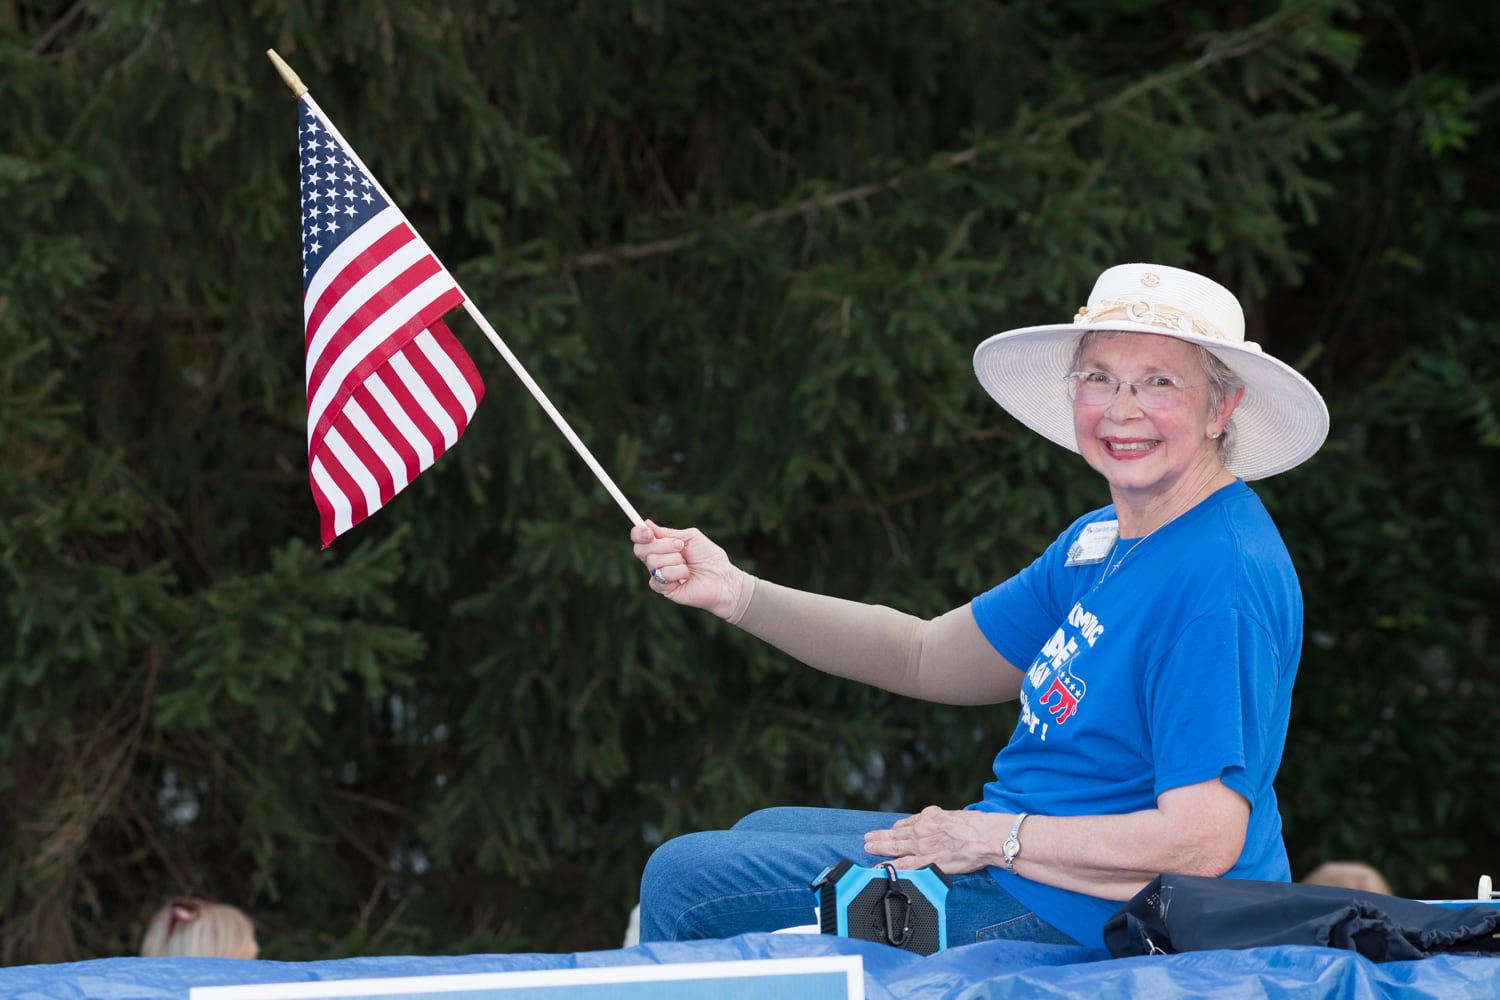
column 1011, row 847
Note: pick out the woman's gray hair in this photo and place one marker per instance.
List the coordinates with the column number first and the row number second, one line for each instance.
column 1222, row 380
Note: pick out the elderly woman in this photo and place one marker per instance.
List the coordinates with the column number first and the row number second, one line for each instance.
column 1152, row 646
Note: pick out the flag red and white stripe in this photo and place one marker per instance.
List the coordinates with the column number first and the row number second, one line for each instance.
column 389, row 388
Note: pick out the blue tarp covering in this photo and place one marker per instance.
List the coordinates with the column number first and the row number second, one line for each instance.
column 989, row 970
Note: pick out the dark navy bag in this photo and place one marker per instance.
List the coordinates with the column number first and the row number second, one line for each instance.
column 1176, row 913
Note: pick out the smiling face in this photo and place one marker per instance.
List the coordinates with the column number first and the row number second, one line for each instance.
column 1149, row 455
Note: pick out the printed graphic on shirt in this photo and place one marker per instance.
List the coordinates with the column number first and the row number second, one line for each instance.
column 1051, row 684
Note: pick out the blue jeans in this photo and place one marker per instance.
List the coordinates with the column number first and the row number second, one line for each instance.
column 754, row 877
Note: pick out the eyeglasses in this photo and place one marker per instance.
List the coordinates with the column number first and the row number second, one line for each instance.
column 1155, row 392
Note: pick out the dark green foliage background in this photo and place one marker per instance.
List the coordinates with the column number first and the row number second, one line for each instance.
column 747, row 247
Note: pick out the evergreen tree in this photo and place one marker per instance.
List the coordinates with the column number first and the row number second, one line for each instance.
column 747, row 248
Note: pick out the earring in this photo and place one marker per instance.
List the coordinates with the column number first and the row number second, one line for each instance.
column 1216, row 435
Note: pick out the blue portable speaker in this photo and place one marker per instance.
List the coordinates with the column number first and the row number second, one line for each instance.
column 904, row 909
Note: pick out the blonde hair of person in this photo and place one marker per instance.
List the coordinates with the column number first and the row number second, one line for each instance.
column 1348, row 875
column 198, row 926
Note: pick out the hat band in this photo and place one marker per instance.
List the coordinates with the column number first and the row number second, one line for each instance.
column 1148, row 314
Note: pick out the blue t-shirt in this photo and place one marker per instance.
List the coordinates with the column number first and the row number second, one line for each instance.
column 1169, row 663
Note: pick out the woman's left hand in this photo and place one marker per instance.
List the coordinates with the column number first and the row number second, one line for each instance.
column 956, row 840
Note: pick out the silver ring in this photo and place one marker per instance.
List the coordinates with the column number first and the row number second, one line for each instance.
column 656, row 575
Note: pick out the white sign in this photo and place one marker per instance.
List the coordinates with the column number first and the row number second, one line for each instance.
column 824, row 977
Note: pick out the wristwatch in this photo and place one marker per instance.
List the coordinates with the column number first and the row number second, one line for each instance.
column 1012, row 846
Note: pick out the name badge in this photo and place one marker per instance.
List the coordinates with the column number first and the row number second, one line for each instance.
column 1093, row 543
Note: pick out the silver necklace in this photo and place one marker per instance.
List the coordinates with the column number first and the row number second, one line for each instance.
column 1109, row 568
column 1112, row 569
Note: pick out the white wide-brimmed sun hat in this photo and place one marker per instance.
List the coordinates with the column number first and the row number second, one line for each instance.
column 1280, row 422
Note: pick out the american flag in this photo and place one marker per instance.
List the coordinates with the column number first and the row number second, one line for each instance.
column 389, row 388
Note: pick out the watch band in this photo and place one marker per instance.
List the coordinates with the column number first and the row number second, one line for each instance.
column 1011, row 849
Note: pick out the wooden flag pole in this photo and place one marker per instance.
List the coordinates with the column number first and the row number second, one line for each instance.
column 299, row 90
